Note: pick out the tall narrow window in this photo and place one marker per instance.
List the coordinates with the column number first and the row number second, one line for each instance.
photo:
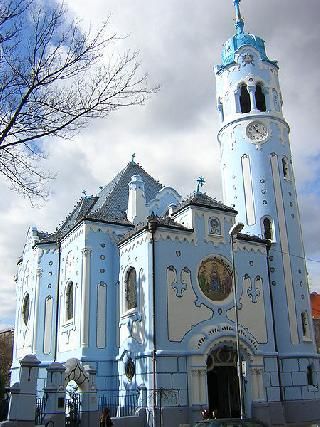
column 248, row 190
column 260, row 98
column 267, row 228
column 69, row 301
column 310, row 375
column 26, row 309
column 245, row 101
column 285, row 168
column 47, row 336
column 131, row 289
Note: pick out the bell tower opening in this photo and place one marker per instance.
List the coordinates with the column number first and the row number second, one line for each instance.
column 223, row 384
column 260, row 98
column 245, row 101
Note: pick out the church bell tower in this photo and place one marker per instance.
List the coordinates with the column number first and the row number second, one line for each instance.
column 258, row 177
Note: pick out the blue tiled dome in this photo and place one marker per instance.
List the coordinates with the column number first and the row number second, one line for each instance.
column 232, row 45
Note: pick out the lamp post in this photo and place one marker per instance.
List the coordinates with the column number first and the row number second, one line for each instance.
column 234, row 231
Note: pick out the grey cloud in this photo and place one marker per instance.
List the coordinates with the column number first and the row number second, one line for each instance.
column 174, row 134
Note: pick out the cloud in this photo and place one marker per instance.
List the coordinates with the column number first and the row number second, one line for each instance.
column 174, row 134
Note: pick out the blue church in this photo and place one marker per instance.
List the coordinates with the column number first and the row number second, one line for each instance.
column 203, row 304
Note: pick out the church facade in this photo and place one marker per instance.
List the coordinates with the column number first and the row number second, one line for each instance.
column 203, row 303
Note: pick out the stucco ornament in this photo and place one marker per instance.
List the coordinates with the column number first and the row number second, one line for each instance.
column 129, row 368
column 215, row 279
column 247, row 58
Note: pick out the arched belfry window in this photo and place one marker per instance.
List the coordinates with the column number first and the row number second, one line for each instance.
column 260, row 98
column 69, row 301
column 131, row 289
column 245, row 101
column 267, row 228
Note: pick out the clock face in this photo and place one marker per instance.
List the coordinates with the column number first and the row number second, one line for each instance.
column 257, row 131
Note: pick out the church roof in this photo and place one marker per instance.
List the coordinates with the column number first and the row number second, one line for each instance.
column 252, row 238
column 166, row 222
column 204, row 201
column 112, row 200
column 109, row 205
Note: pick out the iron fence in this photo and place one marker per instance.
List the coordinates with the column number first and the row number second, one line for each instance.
column 73, row 410
column 40, row 406
column 4, row 407
column 120, row 405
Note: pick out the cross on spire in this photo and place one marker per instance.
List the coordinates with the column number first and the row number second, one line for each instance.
column 201, row 181
column 239, row 21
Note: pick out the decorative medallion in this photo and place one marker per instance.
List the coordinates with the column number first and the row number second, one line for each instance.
column 129, row 369
column 257, row 131
column 247, row 59
column 215, row 279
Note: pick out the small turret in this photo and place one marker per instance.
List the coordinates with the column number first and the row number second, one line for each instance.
column 137, row 211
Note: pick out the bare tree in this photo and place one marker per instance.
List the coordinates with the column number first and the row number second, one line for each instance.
column 54, row 78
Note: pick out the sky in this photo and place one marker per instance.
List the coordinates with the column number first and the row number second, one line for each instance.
column 174, row 134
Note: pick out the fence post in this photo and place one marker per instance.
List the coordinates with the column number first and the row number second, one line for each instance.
column 89, row 401
column 54, row 393
column 22, row 406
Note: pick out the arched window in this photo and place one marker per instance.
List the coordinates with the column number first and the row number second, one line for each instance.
column 26, row 309
column 131, row 289
column 245, row 101
column 215, row 226
column 260, row 98
column 267, row 228
column 285, row 168
column 69, row 301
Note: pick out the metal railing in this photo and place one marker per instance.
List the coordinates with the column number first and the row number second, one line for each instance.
column 4, row 407
column 40, row 406
column 120, row 404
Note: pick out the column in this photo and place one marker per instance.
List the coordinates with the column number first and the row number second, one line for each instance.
column 252, row 93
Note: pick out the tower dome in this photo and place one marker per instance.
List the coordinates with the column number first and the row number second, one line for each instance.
column 240, row 39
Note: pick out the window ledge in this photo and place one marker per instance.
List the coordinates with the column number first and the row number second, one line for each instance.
column 130, row 313
column 68, row 324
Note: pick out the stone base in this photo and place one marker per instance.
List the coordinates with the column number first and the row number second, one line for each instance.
column 294, row 412
column 89, row 419
column 302, row 411
column 172, row 417
column 270, row 413
column 8, row 423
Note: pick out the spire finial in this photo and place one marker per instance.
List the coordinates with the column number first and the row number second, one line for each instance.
column 239, row 20
column 201, row 181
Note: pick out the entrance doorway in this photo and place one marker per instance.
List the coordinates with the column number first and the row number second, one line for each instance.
column 223, row 384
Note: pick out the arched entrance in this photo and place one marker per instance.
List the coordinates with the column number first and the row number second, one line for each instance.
column 76, row 380
column 223, row 384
